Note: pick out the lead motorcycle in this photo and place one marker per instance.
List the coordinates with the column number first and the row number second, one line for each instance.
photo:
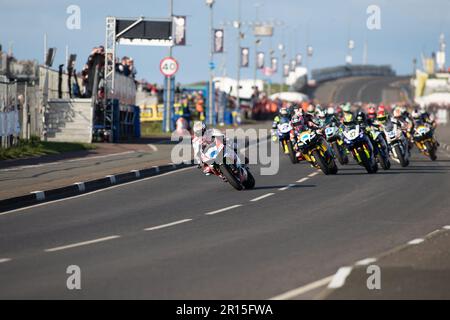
column 224, row 162
column 358, row 143
column 398, row 143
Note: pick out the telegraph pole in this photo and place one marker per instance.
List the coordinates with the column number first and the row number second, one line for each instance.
column 257, row 42
column 211, row 96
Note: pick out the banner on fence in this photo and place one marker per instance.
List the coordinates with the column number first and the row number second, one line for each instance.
column 9, row 123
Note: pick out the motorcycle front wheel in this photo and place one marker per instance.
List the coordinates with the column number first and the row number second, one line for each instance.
column 228, row 174
column 292, row 155
column 400, row 156
column 250, row 182
column 340, row 154
column 431, row 150
column 384, row 161
column 321, row 162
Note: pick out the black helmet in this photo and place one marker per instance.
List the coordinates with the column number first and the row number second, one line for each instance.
column 361, row 117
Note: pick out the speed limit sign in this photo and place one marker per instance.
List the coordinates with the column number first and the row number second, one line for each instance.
column 168, row 66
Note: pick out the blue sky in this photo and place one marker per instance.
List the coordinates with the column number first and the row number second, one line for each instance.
column 408, row 27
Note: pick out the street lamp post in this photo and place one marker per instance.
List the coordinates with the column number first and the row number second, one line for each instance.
column 168, row 110
column 237, row 25
column 210, row 3
column 283, row 56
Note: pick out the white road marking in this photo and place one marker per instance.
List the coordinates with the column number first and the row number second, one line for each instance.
column 301, row 290
column 339, row 278
column 302, row 180
column 96, row 191
column 79, row 244
column 416, row 241
column 313, row 174
column 153, row 147
column 365, row 262
column 5, row 260
column 447, row 227
column 287, row 187
column 432, row 233
column 262, row 197
column 224, row 209
column 167, row 225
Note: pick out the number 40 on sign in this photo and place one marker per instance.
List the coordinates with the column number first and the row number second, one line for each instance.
column 168, row 66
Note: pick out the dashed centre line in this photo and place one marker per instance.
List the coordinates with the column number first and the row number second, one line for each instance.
column 168, row 225
column 302, row 180
column 79, row 244
column 287, row 187
column 224, row 209
column 262, row 197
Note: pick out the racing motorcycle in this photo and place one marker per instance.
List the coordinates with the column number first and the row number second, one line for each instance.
column 358, row 143
column 333, row 136
column 316, row 151
column 381, row 148
column 225, row 163
column 397, row 142
column 425, row 142
column 284, row 131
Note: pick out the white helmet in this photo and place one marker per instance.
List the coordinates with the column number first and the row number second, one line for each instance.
column 330, row 110
column 320, row 113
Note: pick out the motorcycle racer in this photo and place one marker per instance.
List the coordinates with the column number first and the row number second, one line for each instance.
column 283, row 116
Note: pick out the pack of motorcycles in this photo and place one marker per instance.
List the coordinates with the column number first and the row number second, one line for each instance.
column 370, row 146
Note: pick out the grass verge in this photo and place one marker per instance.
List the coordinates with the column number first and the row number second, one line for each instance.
column 34, row 148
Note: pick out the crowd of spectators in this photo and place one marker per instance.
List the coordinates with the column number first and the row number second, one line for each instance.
column 125, row 66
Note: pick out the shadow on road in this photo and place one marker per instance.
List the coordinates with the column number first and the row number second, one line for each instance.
column 282, row 186
column 400, row 171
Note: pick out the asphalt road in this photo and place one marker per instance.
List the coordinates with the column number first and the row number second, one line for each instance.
column 363, row 89
column 255, row 250
column 418, row 270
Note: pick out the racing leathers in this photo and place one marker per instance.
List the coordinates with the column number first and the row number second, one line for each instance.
column 276, row 121
column 199, row 143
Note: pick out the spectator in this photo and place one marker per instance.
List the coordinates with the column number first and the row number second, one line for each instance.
column 200, row 106
column 96, row 58
column 131, row 68
column 123, row 67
